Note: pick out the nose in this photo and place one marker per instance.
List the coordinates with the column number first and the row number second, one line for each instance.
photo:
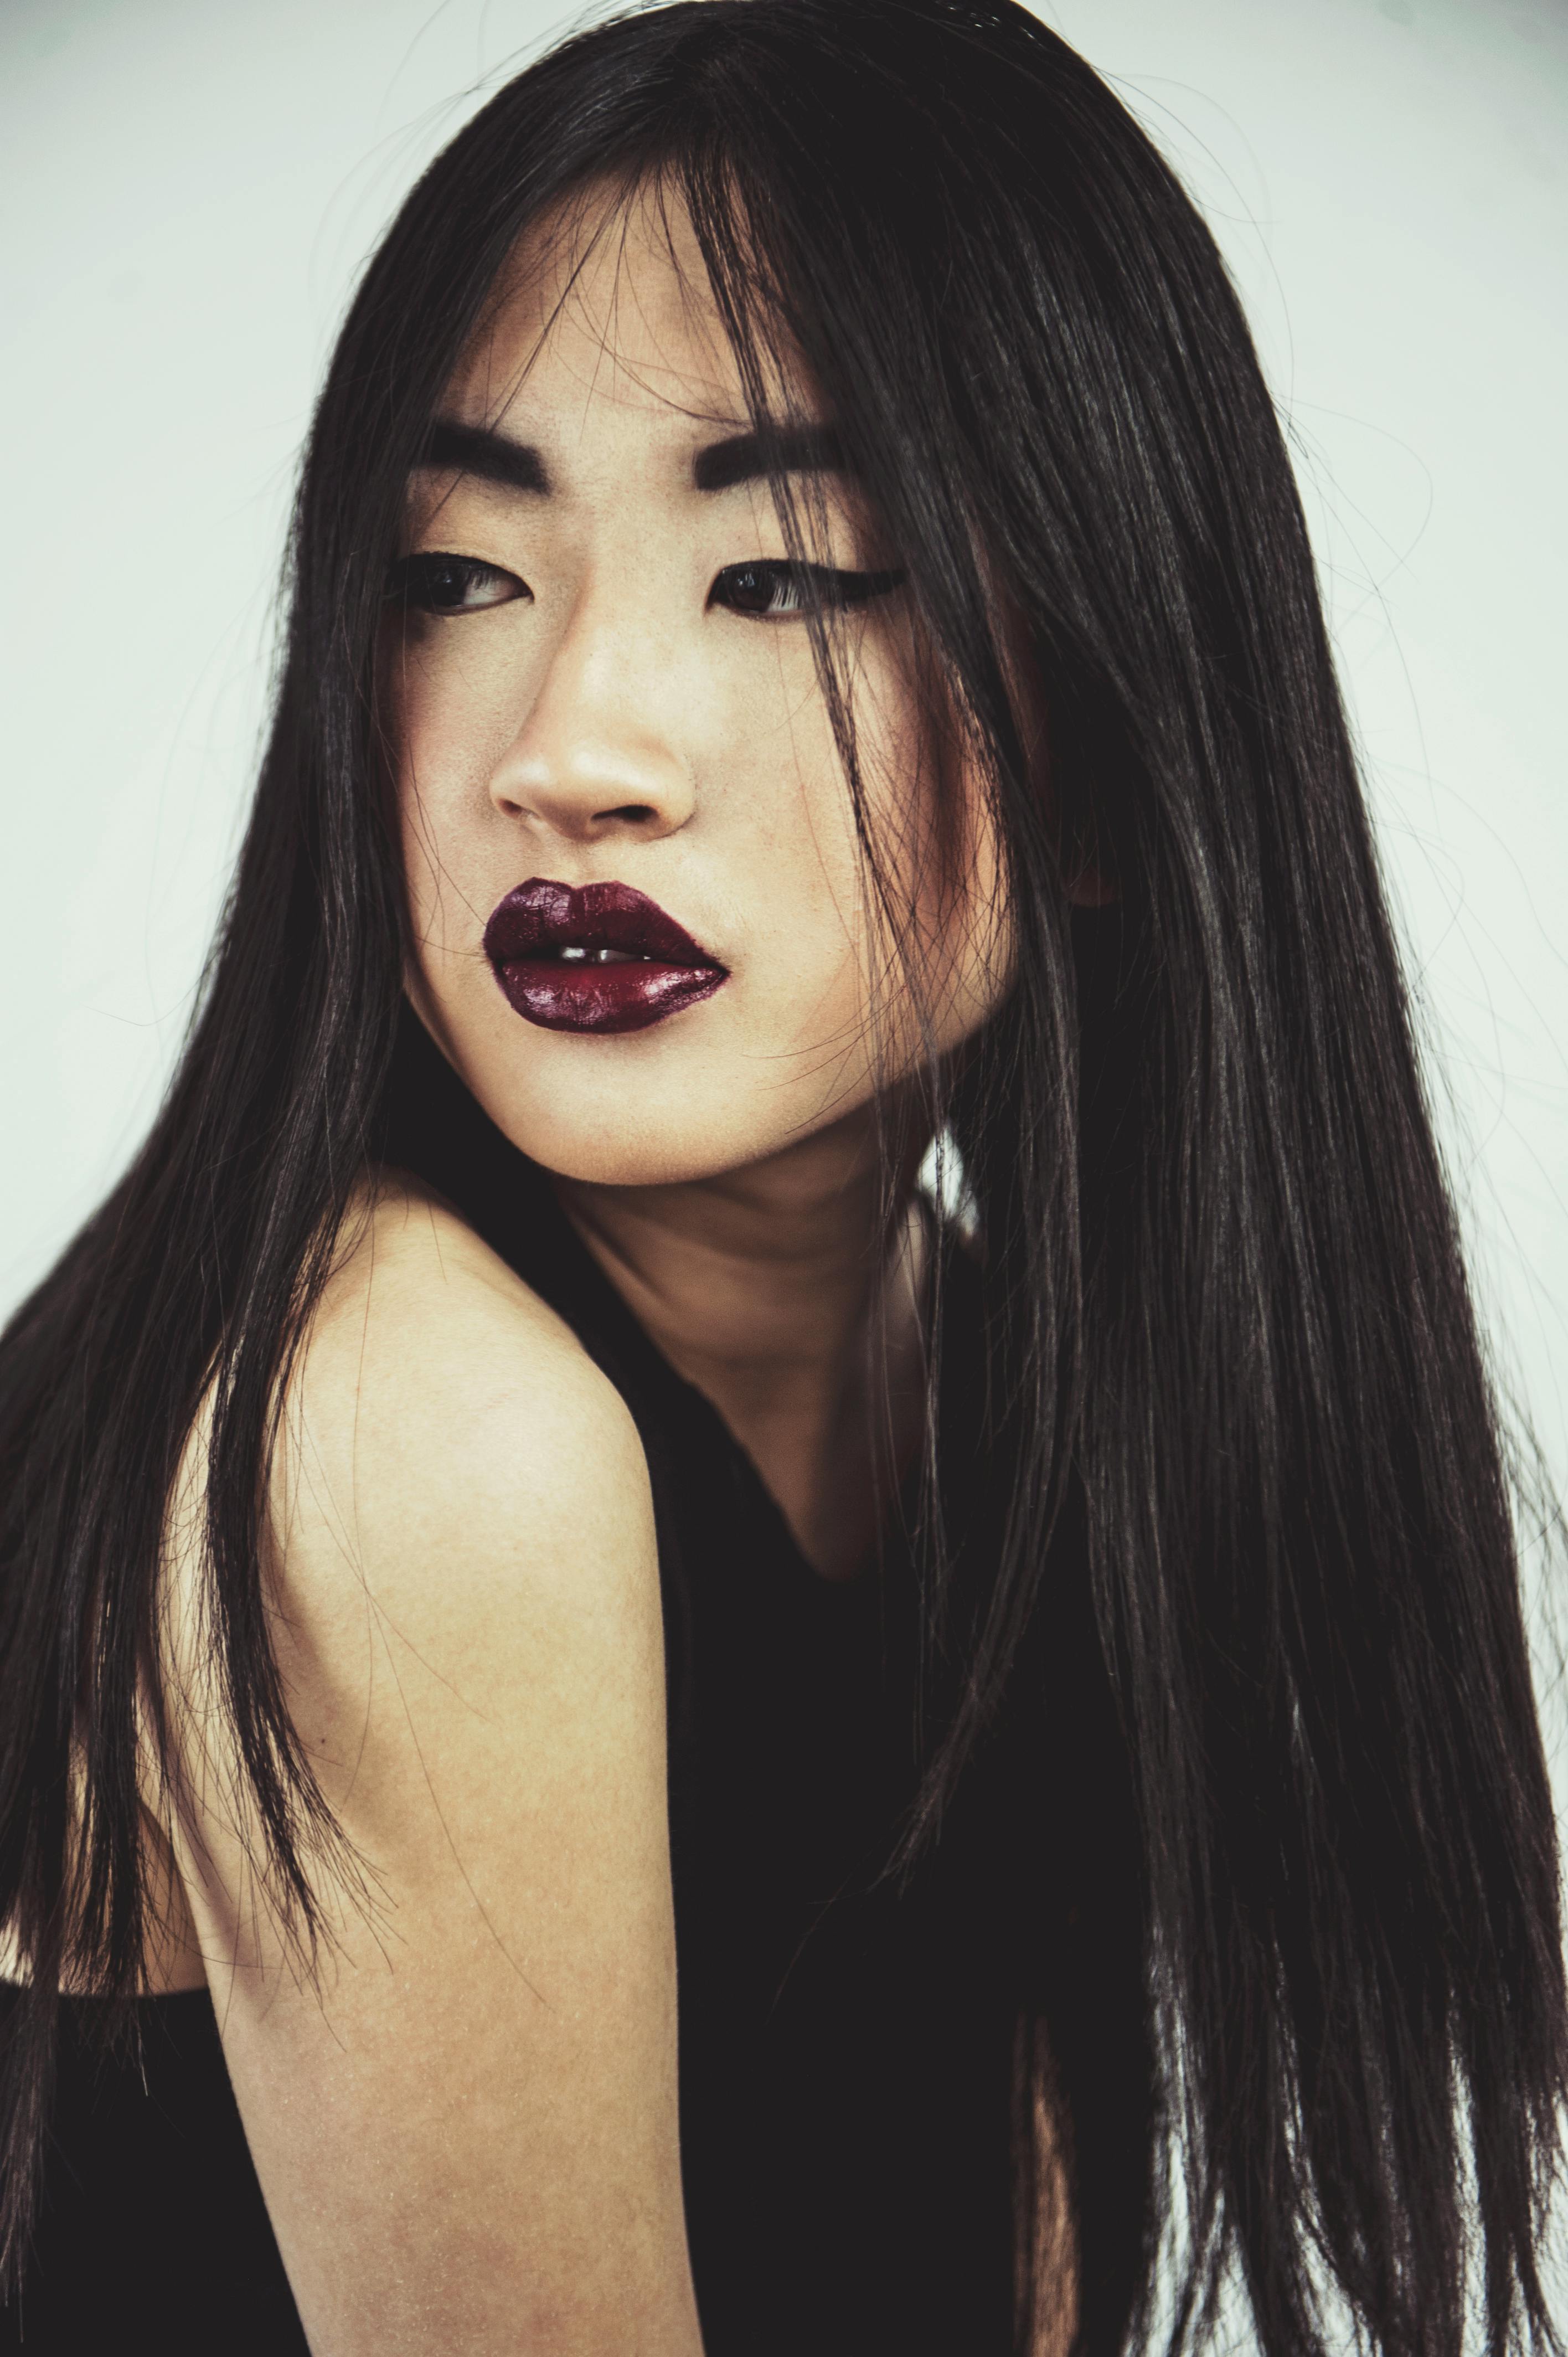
column 593, row 758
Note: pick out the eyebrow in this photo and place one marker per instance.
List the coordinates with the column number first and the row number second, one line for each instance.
column 476, row 450
column 719, row 467
column 745, row 457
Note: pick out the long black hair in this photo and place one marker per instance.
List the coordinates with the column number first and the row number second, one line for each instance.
column 1232, row 1350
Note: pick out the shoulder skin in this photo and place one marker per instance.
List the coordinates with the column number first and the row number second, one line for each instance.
column 464, row 2119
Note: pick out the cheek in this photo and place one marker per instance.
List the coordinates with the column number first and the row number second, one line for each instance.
column 982, row 958
column 439, row 866
column 975, row 961
column 450, row 715
column 451, row 706
column 942, row 950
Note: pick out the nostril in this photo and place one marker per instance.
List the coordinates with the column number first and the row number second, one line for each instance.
column 628, row 814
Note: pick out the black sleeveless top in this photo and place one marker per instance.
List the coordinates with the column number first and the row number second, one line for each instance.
column 846, row 2044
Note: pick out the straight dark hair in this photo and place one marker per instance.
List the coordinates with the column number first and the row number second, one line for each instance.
column 1247, row 1476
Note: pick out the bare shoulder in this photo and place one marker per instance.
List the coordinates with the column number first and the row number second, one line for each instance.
column 458, row 1498
column 470, row 2112
column 454, row 1476
column 429, row 1361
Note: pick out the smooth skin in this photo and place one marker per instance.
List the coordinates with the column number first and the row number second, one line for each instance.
column 465, row 2125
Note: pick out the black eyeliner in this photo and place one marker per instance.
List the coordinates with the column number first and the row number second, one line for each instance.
column 842, row 586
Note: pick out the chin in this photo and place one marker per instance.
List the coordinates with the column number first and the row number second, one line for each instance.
column 607, row 1115
column 666, row 1106
column 621, row 1152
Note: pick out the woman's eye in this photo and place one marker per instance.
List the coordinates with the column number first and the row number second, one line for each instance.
column 435, row 583
column 774, row 588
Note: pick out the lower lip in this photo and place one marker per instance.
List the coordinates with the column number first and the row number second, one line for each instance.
column 604, row 998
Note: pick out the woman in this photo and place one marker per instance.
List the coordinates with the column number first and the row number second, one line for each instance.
column 804, row 668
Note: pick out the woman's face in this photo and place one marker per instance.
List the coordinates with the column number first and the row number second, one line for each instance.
column 643, row 929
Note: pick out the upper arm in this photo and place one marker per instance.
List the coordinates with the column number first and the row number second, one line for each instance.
column 465, row 2120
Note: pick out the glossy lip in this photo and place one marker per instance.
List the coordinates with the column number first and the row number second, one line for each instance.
column 660, row 969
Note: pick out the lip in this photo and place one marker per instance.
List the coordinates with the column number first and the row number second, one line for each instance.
column 654, row 970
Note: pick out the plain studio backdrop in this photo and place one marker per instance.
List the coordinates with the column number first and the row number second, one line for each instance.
column 190, row 189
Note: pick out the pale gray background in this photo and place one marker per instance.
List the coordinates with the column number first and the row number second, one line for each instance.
column 190, row 188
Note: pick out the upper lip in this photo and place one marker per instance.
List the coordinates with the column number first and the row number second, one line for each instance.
column 541, row 917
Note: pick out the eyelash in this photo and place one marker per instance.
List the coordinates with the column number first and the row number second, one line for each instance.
column 417, row 581
column 762, row 578
column 754, row 588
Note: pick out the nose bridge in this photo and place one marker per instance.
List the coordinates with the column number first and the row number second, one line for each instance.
column 595, row 750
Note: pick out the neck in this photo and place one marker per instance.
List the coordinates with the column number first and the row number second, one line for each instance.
column 779, row 1292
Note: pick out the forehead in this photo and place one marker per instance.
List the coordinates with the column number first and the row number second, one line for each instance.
column 605, row 312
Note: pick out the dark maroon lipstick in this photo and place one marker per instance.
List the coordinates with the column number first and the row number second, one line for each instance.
column 595, row 957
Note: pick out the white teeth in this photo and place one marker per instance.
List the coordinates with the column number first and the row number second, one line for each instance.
column 573, row 953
